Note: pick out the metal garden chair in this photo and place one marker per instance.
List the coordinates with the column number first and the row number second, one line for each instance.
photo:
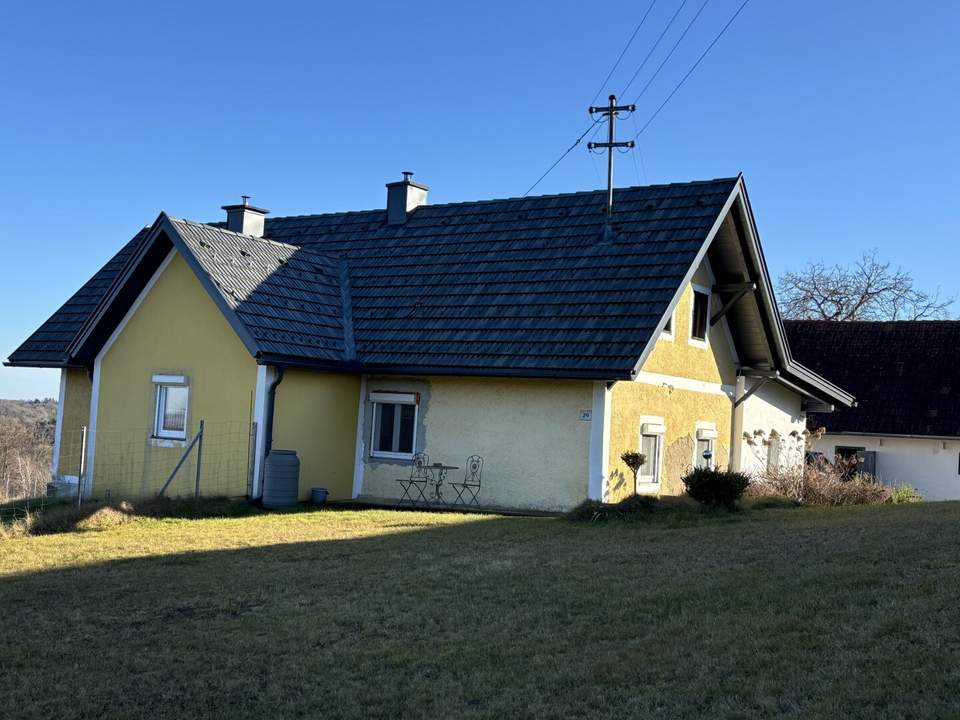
column 420, row 476
column 468, row 491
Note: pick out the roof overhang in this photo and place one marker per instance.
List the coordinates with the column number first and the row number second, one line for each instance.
column 790, row 373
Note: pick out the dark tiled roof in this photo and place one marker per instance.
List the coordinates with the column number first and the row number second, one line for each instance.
column 526, row 285
column 289, row 299
column 905, row 374
column 49, row 344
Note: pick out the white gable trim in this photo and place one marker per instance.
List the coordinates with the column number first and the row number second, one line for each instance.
column 717, row 224
column 358, row 460
column 682, row 383
column 58, row 429
column 95, row 391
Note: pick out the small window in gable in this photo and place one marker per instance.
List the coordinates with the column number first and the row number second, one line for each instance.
column 667, row 332
column 700, row 317
column 173, row 395
column 394, row 424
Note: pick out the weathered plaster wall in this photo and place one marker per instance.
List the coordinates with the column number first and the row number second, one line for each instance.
column 316, row 415
column 711, row 365
column 76, row 414
column 178, row 330
column 772, row 415
column 931, row 466
column 529, row 432
column 680, row 410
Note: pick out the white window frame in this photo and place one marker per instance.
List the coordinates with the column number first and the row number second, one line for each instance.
column 697, row 342
column 705, row 431
column 166, row 381
column 672, row 332
column 651, row 426
column 393, row 398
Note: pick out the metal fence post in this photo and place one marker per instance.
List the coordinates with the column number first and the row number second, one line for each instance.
column 82, row 473
column 196, row 492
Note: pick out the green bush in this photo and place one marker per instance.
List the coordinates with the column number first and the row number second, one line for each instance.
column 716, row 488
column 902, row 494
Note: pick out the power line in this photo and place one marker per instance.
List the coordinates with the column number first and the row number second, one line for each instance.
column 623, row 52
column 694, row 67
column 643, row 63
column 672, row 50
column 596, row 120
column 565, row 153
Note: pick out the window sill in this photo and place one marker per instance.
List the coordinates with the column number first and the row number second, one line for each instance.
column 698, row 343
column 163, row 442
column 648, row 488
column 380, row 455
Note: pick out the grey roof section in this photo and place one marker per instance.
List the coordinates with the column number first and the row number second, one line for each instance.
column 525, row 286
column 49, row 345
column 289, row 299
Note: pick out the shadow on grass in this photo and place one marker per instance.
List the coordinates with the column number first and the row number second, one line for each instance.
column 431, row 616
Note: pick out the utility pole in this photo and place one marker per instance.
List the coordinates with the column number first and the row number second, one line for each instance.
column 611, row 111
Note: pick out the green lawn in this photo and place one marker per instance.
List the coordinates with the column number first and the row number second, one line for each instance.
column 777, row 613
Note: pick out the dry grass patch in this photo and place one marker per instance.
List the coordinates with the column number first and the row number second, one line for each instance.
column 797, row 613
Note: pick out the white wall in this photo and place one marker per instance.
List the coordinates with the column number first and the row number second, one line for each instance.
column 772, row 407
column 534, row 444
column 924, row 463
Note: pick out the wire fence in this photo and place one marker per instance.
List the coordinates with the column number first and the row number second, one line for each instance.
column 131, row 463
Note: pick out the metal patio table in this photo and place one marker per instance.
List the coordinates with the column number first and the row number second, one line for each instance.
column 441, row 478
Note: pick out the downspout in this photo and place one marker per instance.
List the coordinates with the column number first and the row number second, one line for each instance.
column 271, row 403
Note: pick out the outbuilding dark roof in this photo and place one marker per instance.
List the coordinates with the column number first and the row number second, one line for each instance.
column 905, row 374
column 526, row 286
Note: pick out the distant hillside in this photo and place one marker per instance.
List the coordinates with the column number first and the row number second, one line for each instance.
column 29, row 412
column 26, row 446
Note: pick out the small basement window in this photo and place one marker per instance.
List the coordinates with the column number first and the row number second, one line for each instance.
column 173, row 395
column 394, row 424
column 700, row 317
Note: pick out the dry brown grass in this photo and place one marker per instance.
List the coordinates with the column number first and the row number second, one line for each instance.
column 795, row 613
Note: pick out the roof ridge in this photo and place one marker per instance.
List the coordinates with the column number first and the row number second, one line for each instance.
column 577, row 193
column 210, row 226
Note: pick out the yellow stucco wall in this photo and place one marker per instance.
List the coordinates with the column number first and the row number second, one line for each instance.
column 681, row 409
column 316, row 415
column 75, row 414
column 678, row 357
column 535, row 447
column 177, row 330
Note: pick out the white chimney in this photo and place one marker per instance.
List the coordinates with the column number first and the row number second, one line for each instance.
column 245, row 218
column 402, row 197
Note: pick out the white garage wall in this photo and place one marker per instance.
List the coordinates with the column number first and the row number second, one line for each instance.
column 772, row 407
column 929, row 465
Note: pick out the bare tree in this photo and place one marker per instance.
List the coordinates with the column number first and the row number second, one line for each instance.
column 867, row 290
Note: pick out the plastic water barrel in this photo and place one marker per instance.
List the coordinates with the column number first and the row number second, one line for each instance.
column 281, row 479
column 318, row 495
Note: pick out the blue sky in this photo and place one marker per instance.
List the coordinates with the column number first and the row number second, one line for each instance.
column 842, row 116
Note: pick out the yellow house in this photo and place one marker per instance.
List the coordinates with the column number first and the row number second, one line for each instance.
column 530, row 332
